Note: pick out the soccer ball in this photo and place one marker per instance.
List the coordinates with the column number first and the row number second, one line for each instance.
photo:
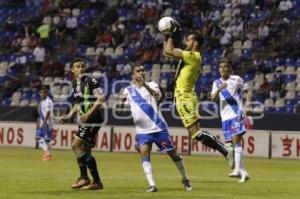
column 164, row 25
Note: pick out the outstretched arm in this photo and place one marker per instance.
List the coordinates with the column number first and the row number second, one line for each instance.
column 170, row 51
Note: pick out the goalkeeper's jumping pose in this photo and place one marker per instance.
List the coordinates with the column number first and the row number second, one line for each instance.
column 188, row 71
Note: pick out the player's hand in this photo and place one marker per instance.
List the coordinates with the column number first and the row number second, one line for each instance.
column 140, row 80
column 175, row 27
column 84, row 117
column 42, row 124
column 223, row 85
column 63, row 118
column 123, row 97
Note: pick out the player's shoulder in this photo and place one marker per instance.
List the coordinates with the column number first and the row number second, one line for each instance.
column 152, row 83
column 236, row 78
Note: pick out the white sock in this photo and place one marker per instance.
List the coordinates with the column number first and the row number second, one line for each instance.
column 43, row 144
column 48, row 148
column 148, row 172
column 238, row 158
column 181, row 168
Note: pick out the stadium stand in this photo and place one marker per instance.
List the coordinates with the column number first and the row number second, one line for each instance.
column 261, row 37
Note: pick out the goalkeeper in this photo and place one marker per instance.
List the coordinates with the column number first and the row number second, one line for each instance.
column 188, row 71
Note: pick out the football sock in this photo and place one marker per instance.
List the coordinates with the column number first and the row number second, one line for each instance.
column 211, row 141
column 238, row 157
column 148, row 170
column 42, row 144
column 81, row 160
column 92, row 165
column 48, row 148
column 180, row 166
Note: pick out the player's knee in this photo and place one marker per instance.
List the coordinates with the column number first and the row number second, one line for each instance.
column 176, row 158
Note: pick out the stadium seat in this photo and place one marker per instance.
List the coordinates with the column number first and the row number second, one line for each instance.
column 289, row 70
column 279, row 103
column 76, row 12
column 247, row 45
column 16, row 95
column 290, row 86
column 270, row 77
column 166, row 68
column 206, row 69
column 269, row 102
column 90, row 51
column 237, row 44
column 290, row 95
column 156, row 67
column 15, row 103
column 109, row 51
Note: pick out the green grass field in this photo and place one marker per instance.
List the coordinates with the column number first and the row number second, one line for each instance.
column 24, row 175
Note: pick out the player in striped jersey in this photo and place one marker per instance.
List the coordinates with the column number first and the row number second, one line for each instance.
column 229, row 89
column 151, row 127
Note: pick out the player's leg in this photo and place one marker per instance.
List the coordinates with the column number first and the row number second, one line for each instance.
column 145, row 150
column 48, row 138
column 207, row 139
column 91, row 161
column 40, row 135
column 78, row 149
column 178, row 161
column 187, row 107
column 239, row 170
column 164, row 143
column 144, row 146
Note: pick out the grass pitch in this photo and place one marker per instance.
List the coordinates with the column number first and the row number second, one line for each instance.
column 23, row 175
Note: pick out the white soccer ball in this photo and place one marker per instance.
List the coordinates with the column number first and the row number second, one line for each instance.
column 164, row 25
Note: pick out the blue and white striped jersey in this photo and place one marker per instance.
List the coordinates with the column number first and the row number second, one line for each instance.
column 231, row 98
column 144, row 109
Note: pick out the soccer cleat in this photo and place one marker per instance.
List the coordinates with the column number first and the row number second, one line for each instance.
column 80, row 183
column 187, row 186
column 93, row 186
column 46, row 157
column 244, row 177
column 230, row 156
column 235, row 174
column 152, row 189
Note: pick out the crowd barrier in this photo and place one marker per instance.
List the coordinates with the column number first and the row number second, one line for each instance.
column 256, row 143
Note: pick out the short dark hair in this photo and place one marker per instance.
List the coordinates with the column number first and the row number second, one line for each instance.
column 225, row 60
column 198, row 37
column 43, row 89
column 133, row 66
column 77, row 59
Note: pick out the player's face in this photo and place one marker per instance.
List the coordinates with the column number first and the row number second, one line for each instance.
column 189, row 42
column 78, row 68
column 138, row 71
column 43, row 94
column 224, row 69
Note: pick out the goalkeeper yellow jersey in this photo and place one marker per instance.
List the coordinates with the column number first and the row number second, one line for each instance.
column 188, row 70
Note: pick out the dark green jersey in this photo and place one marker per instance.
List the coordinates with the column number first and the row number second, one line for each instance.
column 84, row 94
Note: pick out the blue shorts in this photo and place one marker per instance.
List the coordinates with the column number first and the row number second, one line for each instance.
column 45, row 133
column 161, row 139
column 232, row 127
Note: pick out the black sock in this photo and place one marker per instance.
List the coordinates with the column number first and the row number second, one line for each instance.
column 211, row 141
column 81, row 160
column 92, row 165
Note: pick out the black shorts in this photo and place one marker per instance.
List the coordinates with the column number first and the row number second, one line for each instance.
column 88, row 134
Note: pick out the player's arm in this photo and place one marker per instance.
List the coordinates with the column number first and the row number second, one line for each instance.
column 170, row 51
column 70, row 114
column 43, row 122
column 215, row 92
column 153, row 92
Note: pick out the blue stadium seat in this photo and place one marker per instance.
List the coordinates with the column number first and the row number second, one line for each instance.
column 249, row 77
column 5, row 102
column 269, row 109
column 289, row 62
